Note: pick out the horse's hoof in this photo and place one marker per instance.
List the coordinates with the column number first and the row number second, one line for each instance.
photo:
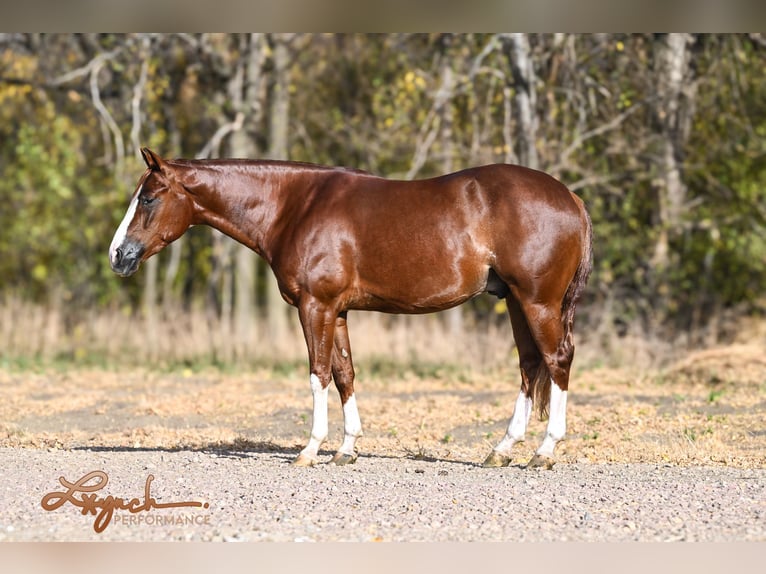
column 305, row 460
column 541, row 461
column 495, row 460
column 342, row 458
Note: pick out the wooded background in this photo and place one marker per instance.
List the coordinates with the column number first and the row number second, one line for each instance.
column 663, row 136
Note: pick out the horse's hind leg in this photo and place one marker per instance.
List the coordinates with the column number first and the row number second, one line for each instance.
column 343, row 375
column 557, row 350
column 529, row 363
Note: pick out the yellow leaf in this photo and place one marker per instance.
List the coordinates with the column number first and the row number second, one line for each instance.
column 40, row 272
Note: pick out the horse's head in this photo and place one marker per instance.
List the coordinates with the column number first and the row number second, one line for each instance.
column 160, row 211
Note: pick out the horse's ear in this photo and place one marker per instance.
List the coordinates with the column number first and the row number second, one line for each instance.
column 153, row 161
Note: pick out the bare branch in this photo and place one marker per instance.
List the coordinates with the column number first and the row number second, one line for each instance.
column 96, row 62
column 213, row 146
column 591, row 180
column 431, row 125
column 489, row 47
column 106, row 117
column 423, row 146
column 582, row 138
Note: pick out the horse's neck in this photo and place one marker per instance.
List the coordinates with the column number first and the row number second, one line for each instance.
column 246, row 203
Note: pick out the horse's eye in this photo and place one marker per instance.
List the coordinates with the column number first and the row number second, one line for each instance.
column 147, row 200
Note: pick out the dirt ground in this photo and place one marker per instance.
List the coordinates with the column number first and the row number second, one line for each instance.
column 707, row 409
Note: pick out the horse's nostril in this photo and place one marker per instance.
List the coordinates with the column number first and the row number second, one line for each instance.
column 118, row 254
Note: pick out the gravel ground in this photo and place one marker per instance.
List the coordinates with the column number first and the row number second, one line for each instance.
column 258, row 496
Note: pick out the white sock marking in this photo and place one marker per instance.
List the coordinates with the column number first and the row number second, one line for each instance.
column 319, row 423
column 352, row 426
column 557, row 421
column 517, row 428
column 122, row 230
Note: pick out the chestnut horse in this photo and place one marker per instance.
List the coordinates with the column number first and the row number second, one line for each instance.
column 340, row 239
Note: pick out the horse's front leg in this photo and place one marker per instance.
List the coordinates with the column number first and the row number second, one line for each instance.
column 343, row 374
column 318, row 322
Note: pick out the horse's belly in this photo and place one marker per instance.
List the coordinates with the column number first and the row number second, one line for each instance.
column 420, row 288
column 415, row 262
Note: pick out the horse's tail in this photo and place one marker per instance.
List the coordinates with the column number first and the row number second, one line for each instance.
column 541, row 383
column 577, row 285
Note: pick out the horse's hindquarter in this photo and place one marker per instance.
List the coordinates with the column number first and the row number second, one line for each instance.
column 538, row 227
column 417, row 246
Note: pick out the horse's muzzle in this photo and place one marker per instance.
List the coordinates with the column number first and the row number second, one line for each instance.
column 126, row 258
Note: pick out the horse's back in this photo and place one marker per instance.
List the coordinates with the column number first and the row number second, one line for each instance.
column 522, row 187
column 495, row 208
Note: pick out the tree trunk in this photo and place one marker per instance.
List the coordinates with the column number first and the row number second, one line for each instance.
column 524, row 80
column 219, row 296
column 244, row 94
column 150, row 305
column 455, row 315
column 279, row 116
column 672, row 73
column 674, row 88
column 175, row 248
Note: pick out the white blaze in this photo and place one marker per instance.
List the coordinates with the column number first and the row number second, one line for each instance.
column 122, row 230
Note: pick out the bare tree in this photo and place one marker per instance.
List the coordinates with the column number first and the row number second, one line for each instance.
column 674, row 87
column 455, row 315
column 279, row 116
column 524, row 83
column 675, row 90
column 244, row 90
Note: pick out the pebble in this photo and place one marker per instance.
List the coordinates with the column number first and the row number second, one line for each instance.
column 262, row 498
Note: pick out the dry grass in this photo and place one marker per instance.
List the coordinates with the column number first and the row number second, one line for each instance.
column 422, row 392
column 196, row 338
column 702, row 410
